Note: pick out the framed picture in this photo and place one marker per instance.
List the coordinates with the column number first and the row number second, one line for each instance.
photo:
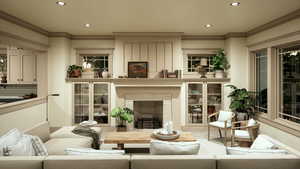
column 137, row 69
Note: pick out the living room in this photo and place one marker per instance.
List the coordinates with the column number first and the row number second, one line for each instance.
column 150, row 84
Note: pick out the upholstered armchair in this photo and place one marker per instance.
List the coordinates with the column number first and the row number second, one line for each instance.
column 222, row 121
column 244, row 131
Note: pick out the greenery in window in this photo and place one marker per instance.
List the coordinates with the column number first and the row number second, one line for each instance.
column 219, row 61
column 3, row 63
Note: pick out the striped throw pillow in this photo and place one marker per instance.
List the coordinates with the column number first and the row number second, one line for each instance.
column 38, row 146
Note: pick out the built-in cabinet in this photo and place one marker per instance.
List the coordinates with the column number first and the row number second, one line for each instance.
column 91, row 102
column 22, row 66
column 203, row 99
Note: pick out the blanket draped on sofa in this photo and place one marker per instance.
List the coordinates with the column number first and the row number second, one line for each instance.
column 87, row 131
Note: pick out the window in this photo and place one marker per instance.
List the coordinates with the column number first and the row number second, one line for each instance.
column 261, row 79
column 290, row 83
column 196, row 60
column 98, row 62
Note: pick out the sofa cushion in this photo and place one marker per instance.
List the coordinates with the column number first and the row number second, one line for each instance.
column 87, row 162
column 267, row 151
column 10, row 138
column 18, row 162
column 241, row 134
column 256, row 161
column 23, row 147
column 57, row 146
column 41, row 130
column 66, row 132
column 173, row 162
column 237, row 150
column 262, row 143
column 174, row 148
column 90, row 151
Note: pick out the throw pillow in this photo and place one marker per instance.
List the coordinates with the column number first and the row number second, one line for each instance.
column 261, row 143
column 90, row 151
column 174, row 148
column 38, row 146
column 10, row 138
column 251, row 122
column 22, row 148
column 225, row 116
column 237, row 150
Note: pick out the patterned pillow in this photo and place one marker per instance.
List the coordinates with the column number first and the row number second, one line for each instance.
column 38, row 146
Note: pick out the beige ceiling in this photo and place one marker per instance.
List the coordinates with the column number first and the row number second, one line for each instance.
column 188, row 16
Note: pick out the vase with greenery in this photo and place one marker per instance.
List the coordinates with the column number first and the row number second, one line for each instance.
column 122, row 115
column 242, row 102
column 74, row 71
column 3, row 67
column 220, row 63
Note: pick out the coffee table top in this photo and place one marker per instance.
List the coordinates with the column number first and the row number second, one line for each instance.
column 141, row 137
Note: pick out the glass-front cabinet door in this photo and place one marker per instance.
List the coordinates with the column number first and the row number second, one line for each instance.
column 214, row 98
column 195, row 103
column 101, row 103
column 91, row 102
column 81, row 102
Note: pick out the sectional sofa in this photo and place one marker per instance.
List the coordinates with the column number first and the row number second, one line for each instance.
column 254, row 161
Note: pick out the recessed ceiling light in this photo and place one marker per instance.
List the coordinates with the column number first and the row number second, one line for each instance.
column 208, row 25
column 60, row 3
column 87, row 25
column 235, row 4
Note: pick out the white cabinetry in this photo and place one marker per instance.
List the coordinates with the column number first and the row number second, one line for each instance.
column 91, row 102
column 21, row 67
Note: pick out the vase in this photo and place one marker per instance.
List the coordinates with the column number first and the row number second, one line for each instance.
column 219, row 74
column 105, row 74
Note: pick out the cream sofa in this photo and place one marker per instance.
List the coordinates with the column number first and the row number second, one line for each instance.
column 61, row 139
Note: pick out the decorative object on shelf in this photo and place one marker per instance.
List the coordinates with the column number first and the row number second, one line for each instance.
column 220, row 63
column 161, row 135
column 201, row 70
column 3, row 65
column 178, row 74
column 137, row 69
column 164, row 73
column 210, row 75
column 74, row 71
column 88, row 73
column 122, row 115
column 172, row 75
column 105, row 74
column 242, row 103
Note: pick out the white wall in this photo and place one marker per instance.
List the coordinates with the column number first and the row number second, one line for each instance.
column 23, row 119
column 60, row 112
column 237, row 55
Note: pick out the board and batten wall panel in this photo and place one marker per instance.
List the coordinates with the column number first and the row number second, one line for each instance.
column 158, row 54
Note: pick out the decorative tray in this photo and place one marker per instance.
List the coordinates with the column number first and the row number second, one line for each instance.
column 166, row 137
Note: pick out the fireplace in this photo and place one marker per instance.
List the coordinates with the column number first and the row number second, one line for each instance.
column 148, row 114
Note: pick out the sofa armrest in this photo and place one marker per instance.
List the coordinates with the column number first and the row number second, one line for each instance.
column 22, row 162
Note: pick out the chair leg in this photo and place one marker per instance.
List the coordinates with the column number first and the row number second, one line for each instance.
column 225, row 138
column 220, row 133
column 208, row 132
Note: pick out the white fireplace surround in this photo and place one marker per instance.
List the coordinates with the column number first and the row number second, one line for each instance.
column 165, row 98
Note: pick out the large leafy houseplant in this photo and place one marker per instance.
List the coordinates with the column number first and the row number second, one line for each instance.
column 241, row 101
column 219, row 61
column 122, row 115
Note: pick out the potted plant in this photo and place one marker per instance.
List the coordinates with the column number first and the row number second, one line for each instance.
column 242, row 102
column 122, row 115
column 220, row 63
column 74, row 71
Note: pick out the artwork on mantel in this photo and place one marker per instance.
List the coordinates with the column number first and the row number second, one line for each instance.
column 137, row 69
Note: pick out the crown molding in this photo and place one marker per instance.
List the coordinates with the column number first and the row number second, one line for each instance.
column 92, row 37
column 275, row 22
column 143, row 34
column 203, row 37
column 22, row 23
column 235, row 35
column 59, row 35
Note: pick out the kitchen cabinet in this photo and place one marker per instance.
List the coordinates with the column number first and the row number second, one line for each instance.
column 22, row 67
column 203, row 99
column 91, row 102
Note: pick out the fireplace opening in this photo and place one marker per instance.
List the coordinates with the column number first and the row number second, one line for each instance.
column 148, row 114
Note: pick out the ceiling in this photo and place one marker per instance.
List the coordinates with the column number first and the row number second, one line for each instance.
column 188, row 16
